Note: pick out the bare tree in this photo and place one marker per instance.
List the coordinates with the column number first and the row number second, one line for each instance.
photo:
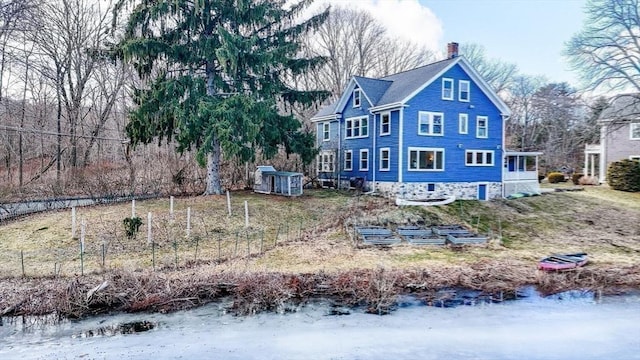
column 499, row 74
column 607, row 49
column 77, row 29
column 355, row 43
column 523, row 129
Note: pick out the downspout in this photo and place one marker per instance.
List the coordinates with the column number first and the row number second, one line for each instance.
column 503, row 157
column 373, row 162
column 338, row 158
column 602, row 177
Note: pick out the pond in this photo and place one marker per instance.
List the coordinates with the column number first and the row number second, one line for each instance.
column 572, row 325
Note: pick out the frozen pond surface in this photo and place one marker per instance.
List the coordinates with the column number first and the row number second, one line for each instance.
column 568, row 326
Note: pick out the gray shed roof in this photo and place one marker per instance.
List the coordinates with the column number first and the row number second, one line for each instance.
column 621, row 108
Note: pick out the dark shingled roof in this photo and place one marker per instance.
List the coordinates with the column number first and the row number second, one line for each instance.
column 622, row 107
column 374, row 88
column 394, row 88
column 405, row 83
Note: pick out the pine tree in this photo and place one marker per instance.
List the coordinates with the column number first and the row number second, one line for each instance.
column 215, row 73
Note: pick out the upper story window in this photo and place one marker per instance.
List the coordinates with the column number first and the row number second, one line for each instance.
column 384, row 159
column 364, row 160
column 326, row 131
column 357, row 95
column 385, row 124
column 464, row 89
column 357, row 127
column 348, row 160
column 482, row 127
column 463, row 123
column 430, row 123
column 426, row 159
column 634, row 131
column 447, row 89
column 479, row 157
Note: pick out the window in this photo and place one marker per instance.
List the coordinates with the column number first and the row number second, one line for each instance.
column 463, row 123
column 385, row 124
column 364, row 160
column 384, row 159
column 635, row 131
column 348, row 160
column 325, row 161
column 634, row 157
column 430, row 123
column 431, row 187
column 356, row 98
column 482, row 125
column 425, row 159
column 479, row 157
column 447, row 89
column 357, row 128
column 463, row 90
column 326, row 131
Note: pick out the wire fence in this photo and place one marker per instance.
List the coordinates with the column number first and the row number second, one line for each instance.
column 12, row 210
column 170, row 244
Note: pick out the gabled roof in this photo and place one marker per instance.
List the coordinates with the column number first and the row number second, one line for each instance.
column 622, row 107
column 397, row 89
column 407, row 82
column 373, row 88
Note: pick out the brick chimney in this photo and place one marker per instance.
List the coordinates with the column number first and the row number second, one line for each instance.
column 452, row 50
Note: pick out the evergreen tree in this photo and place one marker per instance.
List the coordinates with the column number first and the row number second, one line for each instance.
column 215, row 73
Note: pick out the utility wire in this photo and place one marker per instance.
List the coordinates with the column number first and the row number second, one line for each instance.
column 44, row 132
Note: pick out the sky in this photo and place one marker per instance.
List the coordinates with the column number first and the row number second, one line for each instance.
column 530, row 33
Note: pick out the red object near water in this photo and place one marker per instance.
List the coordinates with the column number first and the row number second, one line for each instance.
column 562, row 262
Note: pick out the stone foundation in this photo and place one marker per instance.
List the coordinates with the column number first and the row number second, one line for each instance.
column 417, row 191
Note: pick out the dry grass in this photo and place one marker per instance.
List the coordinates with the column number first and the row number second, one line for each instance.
column 313, row 235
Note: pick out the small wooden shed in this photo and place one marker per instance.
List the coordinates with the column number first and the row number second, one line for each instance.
column 270, row 181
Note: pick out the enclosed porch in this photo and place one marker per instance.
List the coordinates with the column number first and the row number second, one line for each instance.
column 520, row 173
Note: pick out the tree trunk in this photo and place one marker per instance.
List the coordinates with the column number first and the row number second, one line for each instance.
column 213, row 169
column 214, row 157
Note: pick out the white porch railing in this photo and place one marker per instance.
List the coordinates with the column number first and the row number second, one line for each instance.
column 520, row 175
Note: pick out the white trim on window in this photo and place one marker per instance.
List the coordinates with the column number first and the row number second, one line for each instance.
column 326, row 131
column 430, row 123
column 425, row 159
column 385, row 161
column 348, row 160
column 479, row 158
column 482, row 127
column 356, row 127
column 634, row 131
column 364, row 159
column 464, row 90
column 385, row 121
column 357, row 98
column 463, row 123
column 634, row 157
column 326, row 161
column 447, row 89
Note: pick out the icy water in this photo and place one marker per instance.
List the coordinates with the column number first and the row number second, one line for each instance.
column 567, row 326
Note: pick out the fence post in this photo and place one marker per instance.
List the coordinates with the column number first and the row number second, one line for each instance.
column 133, row 208
column 229, row 202
column 171, row 207
column 83, row 226
column 73, row 222
column 149, row 237
column 246, row 214
column 188, row 222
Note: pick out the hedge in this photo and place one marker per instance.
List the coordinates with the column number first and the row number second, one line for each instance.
column 624, row 175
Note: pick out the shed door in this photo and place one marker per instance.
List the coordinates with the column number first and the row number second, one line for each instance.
column 272, row 183
column 482, row 191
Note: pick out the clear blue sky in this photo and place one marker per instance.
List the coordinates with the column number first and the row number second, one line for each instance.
column 529, row 33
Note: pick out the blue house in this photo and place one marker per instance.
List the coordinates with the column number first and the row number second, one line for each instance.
column 431, row 132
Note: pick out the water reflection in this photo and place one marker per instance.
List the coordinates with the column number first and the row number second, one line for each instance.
column 565, row 326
